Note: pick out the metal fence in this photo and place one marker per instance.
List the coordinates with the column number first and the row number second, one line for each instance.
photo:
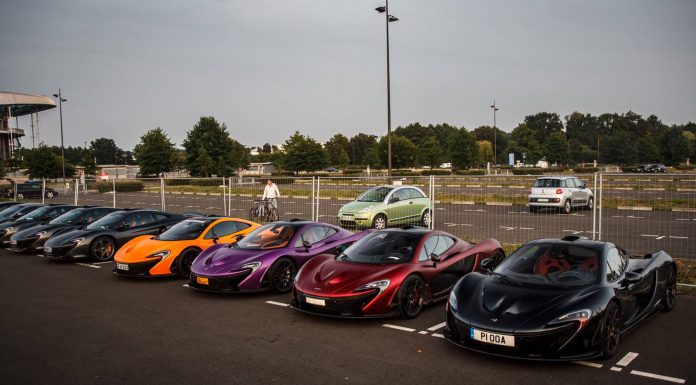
column 640, row 212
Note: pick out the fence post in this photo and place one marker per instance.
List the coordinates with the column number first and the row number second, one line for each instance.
column 229, row 196
column 164, row 206
column 594, row 210
column 599, row 216
column 14, row 189
column 318, row 190
column 113, row 190
column 224, row 195
column 43, row 190
column 76, row 189
column 432, row 202
column 313, row 181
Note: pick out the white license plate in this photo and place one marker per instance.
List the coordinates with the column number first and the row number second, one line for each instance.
column 346, row 218
column 13, row 241
column 492, row 338
column 48, row 249
column 542, row 200
column 315, row 301
column 122, row 266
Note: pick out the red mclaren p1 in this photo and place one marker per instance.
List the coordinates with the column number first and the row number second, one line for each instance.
column 389, row 272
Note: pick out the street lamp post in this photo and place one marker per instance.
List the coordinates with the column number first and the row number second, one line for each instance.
column 388, row 19
column 59, row 95
column 495, row 136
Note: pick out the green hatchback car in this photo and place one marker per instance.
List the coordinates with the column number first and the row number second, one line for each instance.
column 383, row 206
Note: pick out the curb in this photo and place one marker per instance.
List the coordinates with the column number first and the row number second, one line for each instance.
column 684, row 210
column 463, row 202
column 635, row 208
column 498, row 203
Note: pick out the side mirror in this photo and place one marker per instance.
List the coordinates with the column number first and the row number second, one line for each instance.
column 632, row 277
column 341, row 248
column 306, row 244
column 215, row 240
column 239, row 238
column 487, row 264
column 435, row 258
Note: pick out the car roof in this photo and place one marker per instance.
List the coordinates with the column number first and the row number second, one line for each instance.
column 573, row 240
column 557, row 177
column 408, row 229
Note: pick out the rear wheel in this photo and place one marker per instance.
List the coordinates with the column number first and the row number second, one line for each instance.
column 252, row 214
column 567, row 206
column 380, row 222
column 103, row 249
column 272, row 214
column 20, row 196
column 281, row 275
column 611, row 336
column 184, row 262
column 670, row 296
column 590, row 203
column 49, row 194
column 411, row 297
column 426, row 219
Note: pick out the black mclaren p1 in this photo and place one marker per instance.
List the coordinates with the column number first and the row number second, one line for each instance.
column 33, row 238
column 560, row 300
column 101, row 239
column 15, row 211
column 36, row 217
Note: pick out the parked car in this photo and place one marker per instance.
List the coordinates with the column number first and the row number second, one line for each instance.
column 267, row 258
column 560, row 192
column 384, row 206
column 560, row 299
column 15, row 211
column 101, row 239
column 389, row 272
column 33, row 238
column 31, row 190
column 652, row 168
column 173, row 251
column 39, row 216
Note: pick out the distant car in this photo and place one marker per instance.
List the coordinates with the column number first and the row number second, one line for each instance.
column 15, row 211
column 388, row 205
column 560, row 299
column 389, row 272
column 173, row 251
column 331, row 169
column 32, row 190
column 33, row 238
column 652, row 168
column 39, row 216
column 446, row 165
column 267, row 258
column 560, row 192
column 101, row 239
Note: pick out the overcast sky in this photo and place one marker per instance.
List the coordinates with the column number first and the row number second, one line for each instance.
column 267, row 68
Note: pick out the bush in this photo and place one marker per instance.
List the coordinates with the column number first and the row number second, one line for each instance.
column 470, row 172
column 527, row 171
column 436, row 172
column 685, row 167
column 585, row 170
column 554, row 170
column 282, row 173
column 127, row 186
column 352, row 171
column 405, row 173
column 629, row 168
column 193, row 182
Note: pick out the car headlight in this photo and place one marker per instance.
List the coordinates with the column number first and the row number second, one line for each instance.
column 582, row 316
column 453, row 301
column 160, row 254
column 9, row 230
column 366, row 209
column 41, row 234
column 77, row 240
column 381, row 285
column 251, row 265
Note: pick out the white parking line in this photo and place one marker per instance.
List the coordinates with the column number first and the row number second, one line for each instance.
column 658, row 377
column 660, row 237
column 438, row 326
column 590, row 364
column 422, row 332
column 630, row 356
column 676, row 237
column 186, row 285
column 615, row 369
column 399, row 328
column 88, row 265
column 101, row 263
column 438, row 335
column 278, row 303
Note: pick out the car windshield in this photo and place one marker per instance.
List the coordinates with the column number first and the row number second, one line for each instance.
column 185, row 230
column 376, row 194
column 270, row 236
column 11, row 210
column 108, row 222
column 385, row 247
column 552, row 264
column 36, row 214
column 69, row 217
column 547, row 183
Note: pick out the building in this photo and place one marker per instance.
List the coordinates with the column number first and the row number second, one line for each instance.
column 259, row 168
column 12, row 106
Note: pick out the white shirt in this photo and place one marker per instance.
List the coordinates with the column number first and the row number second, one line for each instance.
column 270, row 191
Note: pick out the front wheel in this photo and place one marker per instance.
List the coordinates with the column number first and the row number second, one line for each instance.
column 252, row 214
column 272, row 215
column 670, row 296
column 410, row 297
column 20, row 196
column 426, row 219
column 281, row 275
column 611, row 336
column 103, row 249
column 590, row 203
column 184, row 262
column 380, row 222
column 49, row 194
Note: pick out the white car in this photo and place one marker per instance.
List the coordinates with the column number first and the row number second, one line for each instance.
column 560, row 192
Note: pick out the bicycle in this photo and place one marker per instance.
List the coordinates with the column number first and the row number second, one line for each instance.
column 264, row 211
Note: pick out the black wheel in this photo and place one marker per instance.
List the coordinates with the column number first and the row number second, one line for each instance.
column 610, row 335
column 252, row 214
column 590, row 203
column 272, row 215
column 184, row 262
column 49, row 194
column 533, row 209
column 380, row 222
column 20, row 196
column 426, row 219
column 670, row 296
column 281, row 275
column 103, row 248
column 411, row 297
column 567, row 206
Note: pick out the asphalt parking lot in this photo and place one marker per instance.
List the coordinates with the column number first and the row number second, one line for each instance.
column 78, row 323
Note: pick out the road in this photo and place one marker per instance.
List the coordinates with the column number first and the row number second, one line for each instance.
column 67, row 323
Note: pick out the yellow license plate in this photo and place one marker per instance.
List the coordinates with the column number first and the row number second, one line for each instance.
column 202, row 280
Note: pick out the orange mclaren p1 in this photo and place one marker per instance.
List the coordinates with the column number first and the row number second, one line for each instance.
column 172, row 252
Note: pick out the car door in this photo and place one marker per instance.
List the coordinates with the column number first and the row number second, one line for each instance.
column 615, row 272
column 397, row 206
column 444, row 274
column 137, row 224
column 224, row 232
column 419, row 203
column 573, row 191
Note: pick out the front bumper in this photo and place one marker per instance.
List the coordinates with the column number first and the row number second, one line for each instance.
column 22, row 244
column 67, row 251
column 355, row 220
column 221, row 284
column 546, row 200
column 342, row 307
column 138, row 269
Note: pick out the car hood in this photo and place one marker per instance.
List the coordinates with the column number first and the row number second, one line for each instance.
column 324, row 275
column 221, row 259
column 66, row 238
column 137, row 249
column 30, row 231
column 355, row 206
column 7, row 224
column 495, row 303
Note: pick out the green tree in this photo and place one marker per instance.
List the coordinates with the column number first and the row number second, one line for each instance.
column 358, row 145
column 203, row 162
column 485, row 151
column 404, row 152
column 343, row 159
column 502, row 139
column 227, row 154
column 557, row 149
column 525, row 145
column 107, row 152
column 464, row 150
column 41, row 162
column 543, row 124
column 676, row 146
column 648, row 151
column 371, row 157
column 303, row 153
column 621, row 149
column 430, row 153
column 155, row 153
column 335, row 146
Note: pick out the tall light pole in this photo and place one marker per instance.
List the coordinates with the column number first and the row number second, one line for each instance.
column 59, row 95
column 495, row 136
column 388, row 19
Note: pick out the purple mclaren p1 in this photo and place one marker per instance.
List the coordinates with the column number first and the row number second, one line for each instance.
column 267, row 258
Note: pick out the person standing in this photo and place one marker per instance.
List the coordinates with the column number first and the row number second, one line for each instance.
column 271, row 193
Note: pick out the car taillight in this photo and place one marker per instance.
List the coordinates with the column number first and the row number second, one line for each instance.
column 530, row 191
column 559, row 191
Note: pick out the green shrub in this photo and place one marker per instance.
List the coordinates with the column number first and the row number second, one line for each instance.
column 404, row 173
column 125, row 186
column 352, row 171
column 585, row 170
column 193, row 182
column 282, row 173
column 554, row 170
column 629, row 168
column 527, row 171
column 436, row 172
column 685, row 167
column 470, row 172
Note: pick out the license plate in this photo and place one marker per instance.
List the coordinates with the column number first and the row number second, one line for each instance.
column 13, row 241
column 315, row 301
column 492, row 338
column 48, row 249
column 542, row 200
column 122, row 266
column 346, row 218
column 202, row 280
